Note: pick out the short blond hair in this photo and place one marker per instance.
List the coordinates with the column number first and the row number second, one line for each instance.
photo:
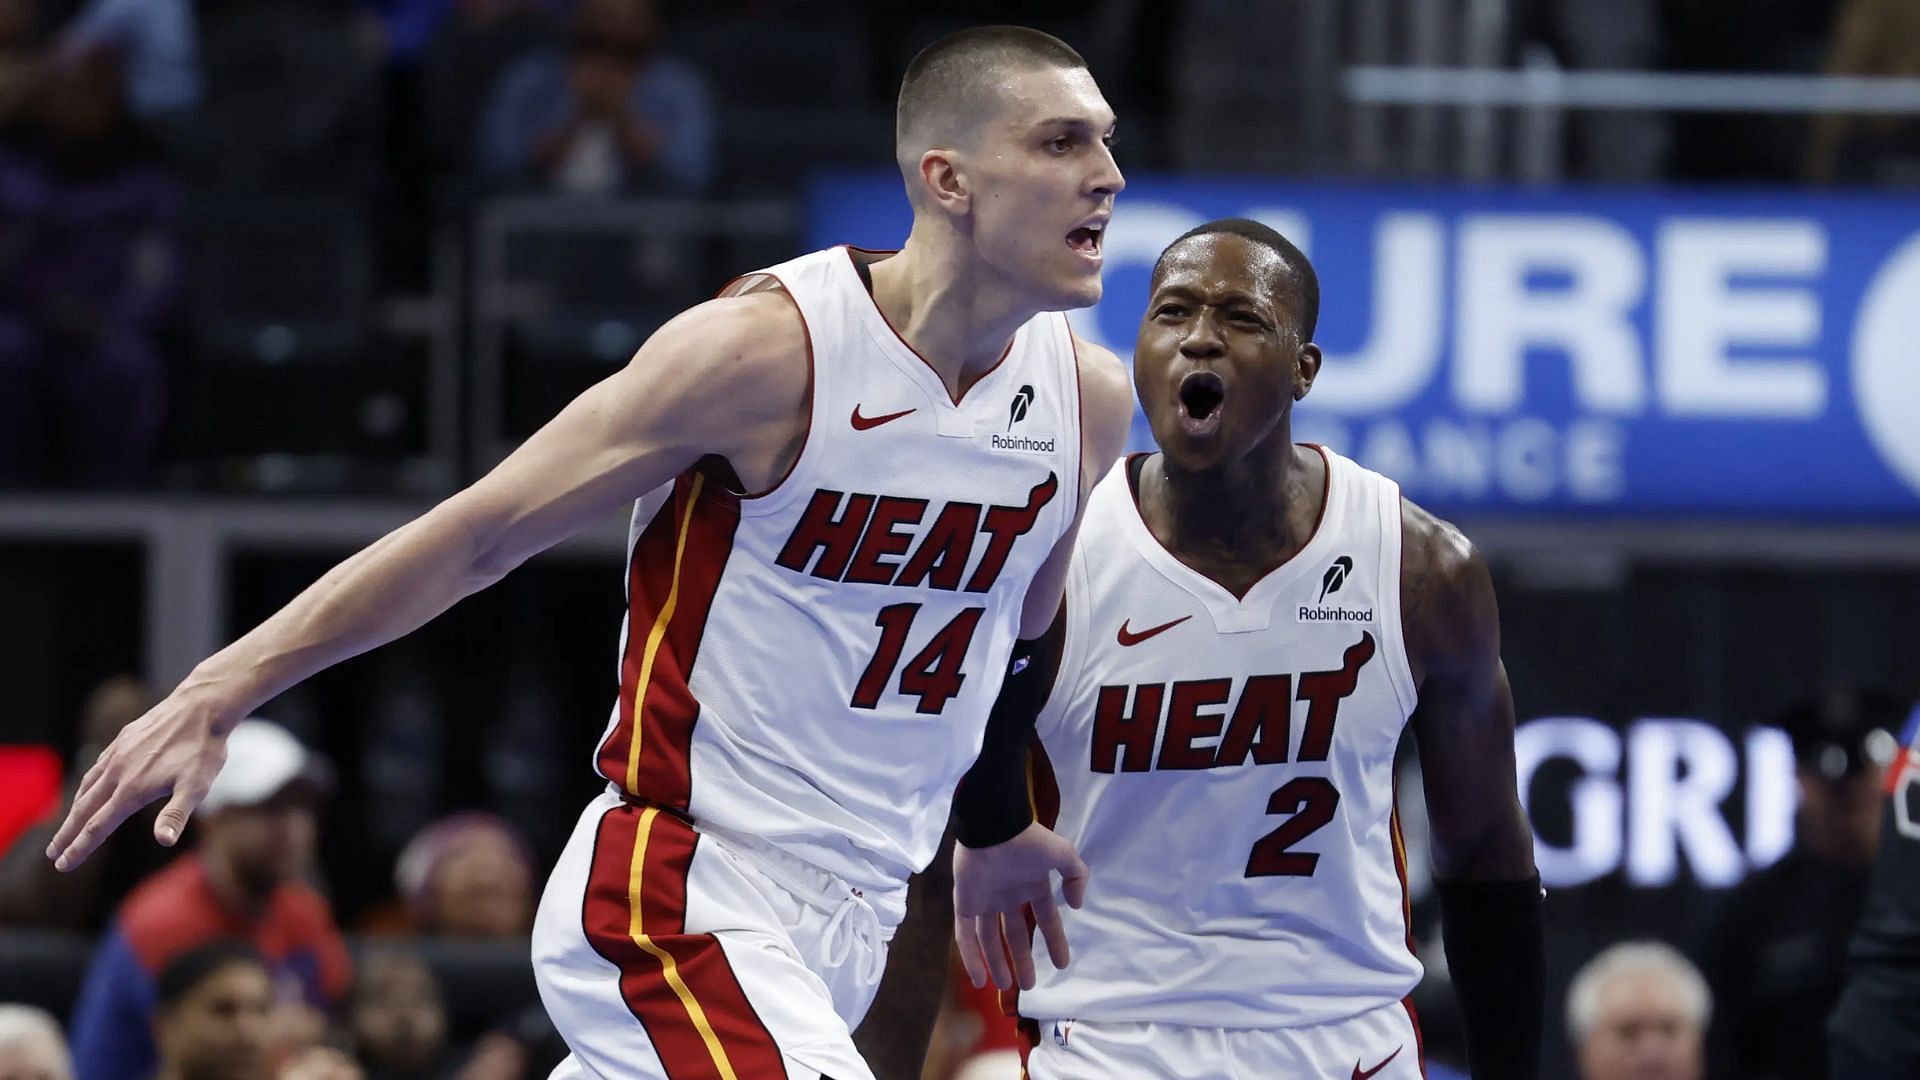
column 1583, row 997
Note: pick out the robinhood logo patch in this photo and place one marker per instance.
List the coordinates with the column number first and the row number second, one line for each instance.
column 1330, row 582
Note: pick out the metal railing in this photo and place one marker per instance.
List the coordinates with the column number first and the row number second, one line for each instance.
column 499, row 299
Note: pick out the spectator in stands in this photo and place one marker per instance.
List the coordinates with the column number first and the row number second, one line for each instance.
column 609, row 115
column 1881, row 38
column 243, row 881
column 478, row 40
column 212, row 1008
column 161, row 44
column 397, row 1018
column 1777, row 958
column 32, row 892
column 468, row 875
column 31, row 1046
column 1639, row 1011
column 86, row 251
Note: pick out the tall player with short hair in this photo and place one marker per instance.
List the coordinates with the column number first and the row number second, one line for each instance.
column 857, row 478
column 1249, row 625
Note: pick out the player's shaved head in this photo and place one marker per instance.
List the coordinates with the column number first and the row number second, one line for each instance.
column 1301, row 283
column 951, row 85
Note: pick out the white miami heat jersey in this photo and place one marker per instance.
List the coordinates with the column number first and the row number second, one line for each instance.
column 1225, row 766
column 813, row 666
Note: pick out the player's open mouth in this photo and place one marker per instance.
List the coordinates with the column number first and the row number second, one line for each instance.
column 1202, row 393
column 1085, row 240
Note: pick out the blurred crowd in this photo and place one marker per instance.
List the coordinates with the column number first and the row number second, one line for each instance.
column 187, row 184
column 230, row 959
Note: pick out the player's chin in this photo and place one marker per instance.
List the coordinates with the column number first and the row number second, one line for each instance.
column 1186, row 451
column 1076, row 291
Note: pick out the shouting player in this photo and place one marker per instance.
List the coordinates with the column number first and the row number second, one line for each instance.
column 857, row 478
column 1249, row 624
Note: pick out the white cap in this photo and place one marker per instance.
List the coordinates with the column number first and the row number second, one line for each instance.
column 262, row 759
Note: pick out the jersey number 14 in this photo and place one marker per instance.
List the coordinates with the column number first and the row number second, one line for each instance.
column 933, row 675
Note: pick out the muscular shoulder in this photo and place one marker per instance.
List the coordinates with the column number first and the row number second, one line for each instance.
column 724, row 365
column 1448, row 611
column 755, row 338
column 1106, row 407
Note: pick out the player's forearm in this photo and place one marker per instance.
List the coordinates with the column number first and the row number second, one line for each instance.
column 1496, row 956
column 383, row 592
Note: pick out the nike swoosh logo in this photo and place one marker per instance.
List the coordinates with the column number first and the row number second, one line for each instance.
column 1363, row 1074
column 1129, row 637
column 862, row 423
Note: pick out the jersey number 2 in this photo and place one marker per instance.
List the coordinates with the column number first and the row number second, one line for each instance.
column 1311, row 801
column 933, row 675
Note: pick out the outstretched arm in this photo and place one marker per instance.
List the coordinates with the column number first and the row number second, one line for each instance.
column 1482, row 844
column 677, row 401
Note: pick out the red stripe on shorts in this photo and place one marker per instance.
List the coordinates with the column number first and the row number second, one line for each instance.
column 678, row 985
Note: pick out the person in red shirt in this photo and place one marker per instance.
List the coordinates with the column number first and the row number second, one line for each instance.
column 243, row 881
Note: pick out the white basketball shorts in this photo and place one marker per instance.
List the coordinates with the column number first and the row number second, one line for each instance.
column 664, row 952
column 1383, row 1044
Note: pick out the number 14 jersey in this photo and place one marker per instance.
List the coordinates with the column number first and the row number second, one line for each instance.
column 1225, row 766
column 813, row 666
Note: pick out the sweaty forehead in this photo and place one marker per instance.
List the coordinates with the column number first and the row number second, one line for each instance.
column 1216, row 263
column 1030, row 95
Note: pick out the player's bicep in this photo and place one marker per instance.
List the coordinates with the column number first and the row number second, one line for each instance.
column 1464, row 724
column 706, row 379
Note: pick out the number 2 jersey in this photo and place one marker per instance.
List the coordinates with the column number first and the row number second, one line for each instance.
column 813, row 666
column 1225, row 766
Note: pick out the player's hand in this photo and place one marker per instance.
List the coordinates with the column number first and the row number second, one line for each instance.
column 176, row 750
column 994, row 890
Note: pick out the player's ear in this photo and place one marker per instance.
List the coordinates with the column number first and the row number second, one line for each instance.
column 942, row 182
column 1306, row 368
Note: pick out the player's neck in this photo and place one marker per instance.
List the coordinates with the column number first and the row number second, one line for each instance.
column 1253, row 513
column 961, row 326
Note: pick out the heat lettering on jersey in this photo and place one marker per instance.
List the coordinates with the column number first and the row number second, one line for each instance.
column 1174, row 718
column 861, row 537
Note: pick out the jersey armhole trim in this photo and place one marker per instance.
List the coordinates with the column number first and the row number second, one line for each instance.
column 1393, row 532
column 1081, row 488
column 778, row 495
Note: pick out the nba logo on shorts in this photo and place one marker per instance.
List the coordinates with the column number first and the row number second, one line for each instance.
column 1061, row 1029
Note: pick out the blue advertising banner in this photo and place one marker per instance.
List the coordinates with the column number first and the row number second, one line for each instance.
column 1667, row 353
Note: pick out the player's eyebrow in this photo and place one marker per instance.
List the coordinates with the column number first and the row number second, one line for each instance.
column 1079, row 122
column 1224, row 298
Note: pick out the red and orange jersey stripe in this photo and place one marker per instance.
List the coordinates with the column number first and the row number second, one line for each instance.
column 678, row 985
column 672, row 576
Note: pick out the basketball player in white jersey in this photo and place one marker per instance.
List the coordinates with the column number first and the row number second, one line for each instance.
column 856, row 477
column 1249, row 624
